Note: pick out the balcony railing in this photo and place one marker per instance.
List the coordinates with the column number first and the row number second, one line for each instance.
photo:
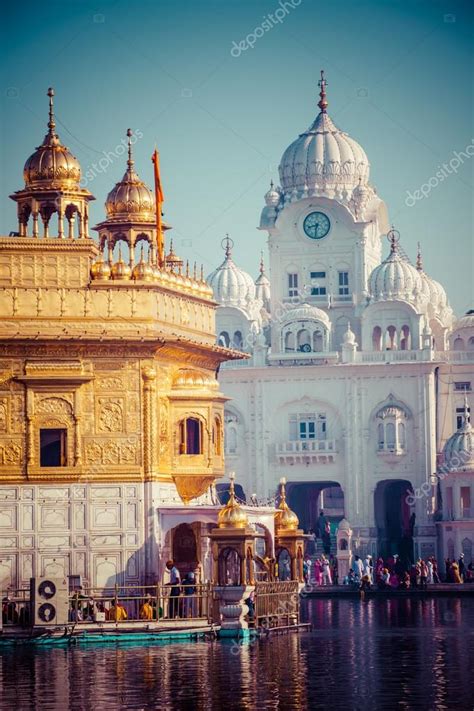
column 305, row 451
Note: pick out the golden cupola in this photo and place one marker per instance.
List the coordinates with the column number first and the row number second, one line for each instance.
column 120, row 269
column 100, row 270
column 172, row 260
column 285, row 518
column 52, row 188
column 52, row 165
column 131, row 198
column 232, row 514
column 143, row 270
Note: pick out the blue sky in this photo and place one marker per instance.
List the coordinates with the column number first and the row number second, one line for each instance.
column 399, row 82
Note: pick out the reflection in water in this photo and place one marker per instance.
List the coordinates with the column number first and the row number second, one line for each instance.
column 379, row 654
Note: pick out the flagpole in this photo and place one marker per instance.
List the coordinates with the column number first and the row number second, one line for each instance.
column 159, row 200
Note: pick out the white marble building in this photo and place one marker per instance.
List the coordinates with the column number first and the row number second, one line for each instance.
column 358, row 368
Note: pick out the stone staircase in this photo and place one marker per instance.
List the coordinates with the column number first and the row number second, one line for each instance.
column 320, row 548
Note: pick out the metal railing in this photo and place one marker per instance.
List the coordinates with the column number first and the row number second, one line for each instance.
column 277, row 604
column 121, row 604
column 306, row 445
column 16, row 607
column 142, row 603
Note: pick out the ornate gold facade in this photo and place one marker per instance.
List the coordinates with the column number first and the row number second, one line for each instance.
column 115, row 361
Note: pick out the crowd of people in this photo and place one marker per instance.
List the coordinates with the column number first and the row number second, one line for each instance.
column 388, row 573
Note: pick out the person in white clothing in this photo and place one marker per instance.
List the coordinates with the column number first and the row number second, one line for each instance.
column 327, row 580
column 368, row 569
column 430, row 572
column 358, row 568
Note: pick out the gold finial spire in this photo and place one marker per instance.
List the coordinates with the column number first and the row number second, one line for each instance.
column 232, row 515
column 285, row 518
column 187, row 268
column 262, row 265
column 419, row 261
column 202, row 273
column 130, row 160
column 195, row 271
column 323, row 102
column 51, row 122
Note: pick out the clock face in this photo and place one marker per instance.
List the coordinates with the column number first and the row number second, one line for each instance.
column 316, row 225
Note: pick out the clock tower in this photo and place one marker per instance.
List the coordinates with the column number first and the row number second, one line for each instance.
column 324, row 227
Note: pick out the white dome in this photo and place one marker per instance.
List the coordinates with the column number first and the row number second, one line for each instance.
column 272, row 197
column 323, row 158
column 349, row 336
column 395, row 279
column 231, row 286
column 466, row 321
column 306, row 312
column 435, row 293
column 459, row 449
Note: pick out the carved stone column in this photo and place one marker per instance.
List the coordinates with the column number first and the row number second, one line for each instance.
column 77, row 441
column 30, row 442
column 35, row 224
column 149, row 420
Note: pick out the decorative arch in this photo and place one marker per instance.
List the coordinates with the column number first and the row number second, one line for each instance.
column 191, row 429
column 54, row 414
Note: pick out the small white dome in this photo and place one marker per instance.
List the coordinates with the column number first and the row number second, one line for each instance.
column 466, row 321
column 459, row 449
column 349, row 336
column 272, row 197
column 231, row 286
column 306, row 312
column 323, row 157
column 395, row 278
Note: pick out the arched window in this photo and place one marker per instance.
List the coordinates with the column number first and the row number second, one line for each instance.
column 317, row 342
column 401, row 435
column 405, row 339
column 223, row 339
column 390, row 436
column 391, row 430
column 290, row 341
column 458, row 344
column 377, row 338
column 391, row 339
column 381, row 436
column 190, row 436
column 470, row 344
column 304, row 340
column 238, row 341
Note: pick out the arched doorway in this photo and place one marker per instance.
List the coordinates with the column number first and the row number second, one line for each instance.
column 184, row 549
column 308, row 499
column 394, row 518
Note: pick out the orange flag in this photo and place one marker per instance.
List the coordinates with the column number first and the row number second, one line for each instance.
column 159, row 197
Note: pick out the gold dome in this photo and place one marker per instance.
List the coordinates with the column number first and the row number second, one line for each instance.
column 285, row 518
column 52, row 165
column 131, row 198
column 231, row 515
column 120, row 269
column 143, row 271
column 100, row 269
